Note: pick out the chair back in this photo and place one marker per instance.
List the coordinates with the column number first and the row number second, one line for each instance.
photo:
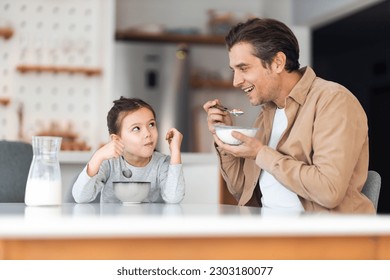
column 372, row 187
column 15, row 161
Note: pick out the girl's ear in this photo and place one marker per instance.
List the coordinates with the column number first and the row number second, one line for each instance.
column 114, row 137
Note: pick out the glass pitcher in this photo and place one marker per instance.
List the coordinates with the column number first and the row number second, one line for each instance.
column 44, row 179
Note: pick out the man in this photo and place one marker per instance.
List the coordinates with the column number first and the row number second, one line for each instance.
column 311, row 150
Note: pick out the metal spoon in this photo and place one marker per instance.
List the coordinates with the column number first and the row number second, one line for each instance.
column 234, row 112
column 125, row 171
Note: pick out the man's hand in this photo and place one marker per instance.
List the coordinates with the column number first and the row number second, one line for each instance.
column 215, row 115
column 249, row 148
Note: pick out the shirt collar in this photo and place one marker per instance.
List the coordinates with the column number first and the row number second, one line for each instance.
column 300, row 90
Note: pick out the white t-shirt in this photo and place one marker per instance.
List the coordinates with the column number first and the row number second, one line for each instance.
column 275, row 195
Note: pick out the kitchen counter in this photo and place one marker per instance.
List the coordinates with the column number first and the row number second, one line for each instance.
column 186, row 231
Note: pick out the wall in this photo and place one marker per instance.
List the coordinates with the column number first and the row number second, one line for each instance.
column 63, row 37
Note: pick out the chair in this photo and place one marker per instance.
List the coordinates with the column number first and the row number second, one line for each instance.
column 15, row 161
column 372, row 187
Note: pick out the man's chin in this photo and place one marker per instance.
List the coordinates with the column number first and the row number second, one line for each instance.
column 253, row 102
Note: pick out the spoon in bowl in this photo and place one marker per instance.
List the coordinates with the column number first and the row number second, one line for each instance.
column 234, row 112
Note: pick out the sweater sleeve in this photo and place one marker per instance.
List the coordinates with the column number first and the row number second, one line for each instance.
column 172, row 182
column 86, row 188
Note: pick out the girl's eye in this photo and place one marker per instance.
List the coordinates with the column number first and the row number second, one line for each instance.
column 136, row 128
column 152, row 124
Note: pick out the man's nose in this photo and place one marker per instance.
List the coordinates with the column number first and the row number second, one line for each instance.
column 237, row 79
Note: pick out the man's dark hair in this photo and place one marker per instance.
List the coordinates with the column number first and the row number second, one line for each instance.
column 268, row 37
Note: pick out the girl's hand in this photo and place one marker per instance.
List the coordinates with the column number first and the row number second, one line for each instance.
column 174, row 138
column 113, row 149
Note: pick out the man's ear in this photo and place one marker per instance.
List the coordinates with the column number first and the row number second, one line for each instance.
column 279, row 62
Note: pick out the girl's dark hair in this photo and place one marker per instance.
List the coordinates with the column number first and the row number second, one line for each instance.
column 268, row 37
column 121, row 107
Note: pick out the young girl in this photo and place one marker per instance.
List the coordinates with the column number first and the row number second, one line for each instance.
column 131, row 155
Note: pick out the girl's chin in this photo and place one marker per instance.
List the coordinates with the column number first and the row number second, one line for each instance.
column 147, row 151
column 141, row 159
column 143, row 153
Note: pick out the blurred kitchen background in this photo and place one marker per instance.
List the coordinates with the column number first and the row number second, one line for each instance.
column 63, row 62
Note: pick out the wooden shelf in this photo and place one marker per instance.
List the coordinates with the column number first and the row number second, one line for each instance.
column 4, row 101
column 6, row 32
column 123, row 35
column 57, row 69
column 216, row 84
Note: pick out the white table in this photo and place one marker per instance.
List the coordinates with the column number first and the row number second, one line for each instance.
column 186, row 231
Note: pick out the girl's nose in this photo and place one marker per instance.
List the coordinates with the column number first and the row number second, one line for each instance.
column 148, row 133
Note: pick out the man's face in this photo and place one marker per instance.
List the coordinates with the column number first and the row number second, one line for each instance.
column 260, row 84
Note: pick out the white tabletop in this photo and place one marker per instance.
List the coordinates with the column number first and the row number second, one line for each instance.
column 149, row 219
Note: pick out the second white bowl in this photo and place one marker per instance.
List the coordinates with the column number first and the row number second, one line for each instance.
column 224, row 132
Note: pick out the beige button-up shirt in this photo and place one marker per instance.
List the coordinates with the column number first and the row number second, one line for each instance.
column 322, row 156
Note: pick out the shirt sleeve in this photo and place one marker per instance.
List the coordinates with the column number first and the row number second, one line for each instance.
column 231, row 169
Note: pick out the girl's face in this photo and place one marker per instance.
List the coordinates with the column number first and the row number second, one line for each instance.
column 139, row 135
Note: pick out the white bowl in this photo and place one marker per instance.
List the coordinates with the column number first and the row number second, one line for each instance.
column 224, row 132
column 131, row 192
